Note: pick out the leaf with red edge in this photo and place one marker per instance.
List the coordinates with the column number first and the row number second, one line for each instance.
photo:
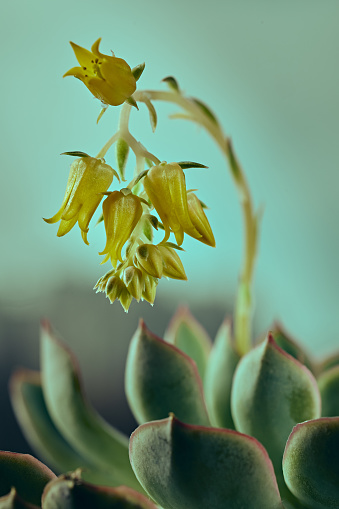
column 311, row 463
column 71, row 492
column 26, row 474
column 161, row 379
column 271, row 393
column 328, row 383
column 194, row 467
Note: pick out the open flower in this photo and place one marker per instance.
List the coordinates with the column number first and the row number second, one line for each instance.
column 108, row 78
column 122, row 211
column 88, row 179
column 166, row 188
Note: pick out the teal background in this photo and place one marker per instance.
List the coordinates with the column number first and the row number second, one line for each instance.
column 270, row 72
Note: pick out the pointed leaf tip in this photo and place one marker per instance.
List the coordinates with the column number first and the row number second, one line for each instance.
column 154, row 368
column 195, row 467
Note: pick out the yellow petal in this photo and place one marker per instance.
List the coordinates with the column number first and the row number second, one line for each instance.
column 200, row 220
column 78, row 72
column 95, row 49
column 105, row 92
column 69, row 187
column 85, row 58
column 66, row 226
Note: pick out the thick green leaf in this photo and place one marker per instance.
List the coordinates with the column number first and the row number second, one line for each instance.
column 219, row 377
column 39, row 429
column 186, row 333
column 26, row 474
column 328, row 363
column 311, row 463
column 161, row 379
column 192, row 467
column 13, row 501
column 328, row 383
column 291, row 346
column 70, row 492
column 271, row 393
column 81, row 426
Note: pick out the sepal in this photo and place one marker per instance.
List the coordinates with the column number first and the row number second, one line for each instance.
column 138, row 70
column 172, row 83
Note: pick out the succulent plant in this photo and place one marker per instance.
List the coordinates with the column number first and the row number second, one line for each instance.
column 223, row 425
column 241, row 432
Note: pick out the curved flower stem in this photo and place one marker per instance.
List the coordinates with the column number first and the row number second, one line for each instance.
column 244, row 304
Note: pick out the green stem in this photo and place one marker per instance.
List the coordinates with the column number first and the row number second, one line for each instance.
column 244, row 301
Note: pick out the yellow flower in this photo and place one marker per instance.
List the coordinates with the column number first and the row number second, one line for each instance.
column 173, row 267
column 148, row 258
column 88, row 179
column 108, row 78
column 166, row 188
column 199, row 219
column 122, row 211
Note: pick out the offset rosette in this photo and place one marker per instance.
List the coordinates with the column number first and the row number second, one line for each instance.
column 108, row 78
column 122, row 211
column 88, row 179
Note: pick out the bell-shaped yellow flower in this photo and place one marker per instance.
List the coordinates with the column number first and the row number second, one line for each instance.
column 166, row 188
column 172, row 265
column 122, row 211
column 149, row 259
column 88, row 179
column 199, row 219
column 108, row 78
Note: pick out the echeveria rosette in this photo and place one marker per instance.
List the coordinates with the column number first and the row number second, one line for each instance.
column 108, row 78
column 195, row 467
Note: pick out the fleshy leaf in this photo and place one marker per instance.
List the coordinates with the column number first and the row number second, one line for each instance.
column 26, row 474
column 193, row 467
column 70, row 492
column 186, row 333
column 219, row 376
column 81, row 426
column 121, row 154
column 311, row 463
column 13, row 501
column 37, row 426
column 290, row 346
column 271, row 393
column 328, row 383
column 172, row 83
column 328, row 363
column 161, row 379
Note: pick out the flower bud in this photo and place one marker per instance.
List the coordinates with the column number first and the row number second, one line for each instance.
column 166, row 188
column 121, row 214
column 199, row 219
column 150, row 288
column 148, row 258
column 173, row 267
column 88, row 179
column 134, row 281
column 108, row 78
column 114, row 288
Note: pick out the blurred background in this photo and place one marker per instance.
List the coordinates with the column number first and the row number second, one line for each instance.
column 270, row 72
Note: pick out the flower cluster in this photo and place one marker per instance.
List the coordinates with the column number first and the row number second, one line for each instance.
column 137, row 261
